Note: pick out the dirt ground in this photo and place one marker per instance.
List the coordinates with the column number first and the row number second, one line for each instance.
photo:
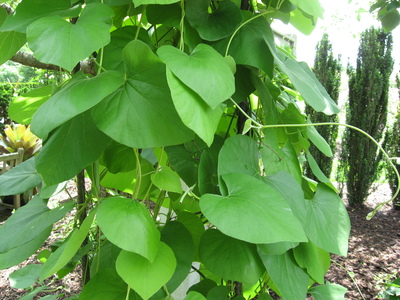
column 373, row 259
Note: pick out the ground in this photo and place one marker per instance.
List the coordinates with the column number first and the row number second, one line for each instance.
column 373, row 259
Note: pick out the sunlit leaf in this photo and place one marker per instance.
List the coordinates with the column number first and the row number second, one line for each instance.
column 328, row 292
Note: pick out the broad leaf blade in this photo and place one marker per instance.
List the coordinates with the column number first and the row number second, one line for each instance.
column 127, row 224
column 10, row 43
column 250, row 205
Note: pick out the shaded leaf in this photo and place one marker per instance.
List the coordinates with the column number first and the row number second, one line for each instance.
column 328, row 292
column 25, row 277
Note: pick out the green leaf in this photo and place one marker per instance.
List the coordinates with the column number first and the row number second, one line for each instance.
column 10, row 43
column 22, row 108
column 91, row 32
column 219, row 293
column 291, row 280
column 33, row 293
column 66, row 252
column 319, row 141
column 106, row 285
column 70, row 148
column 328, row 224
column 312, row 7
column 143, row 104
column 183, row 162
column 127, row 224
column 230, row 258
column 67, row 102
column 169, row 15
column 221, row 23
column 20, row 178
column 315, row 260
column 118, row 158
column 17, row 255
column 276, row 248
column 30, row 221
column 204, row 71
column 328, row 292
column 29, row 11
column 239, row 154
column 242, row 46
column 193, row 111
column 179, row 239
column 250, row 205
column 166, row 179
column 389, row 21
column 203, row 286
column 317, row 171
column 25, row 277
column 143, row 276
column 195, row 226
column 112, row 58
column 302, row 21
column 195, row 296
column 276, row 159
column 145, row 2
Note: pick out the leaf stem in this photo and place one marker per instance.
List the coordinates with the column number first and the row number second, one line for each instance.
column 140, row 23
column 182, row 25
column 138, row 174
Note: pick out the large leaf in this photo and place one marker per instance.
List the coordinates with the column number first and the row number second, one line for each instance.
column 141, row 114
column 25, row 277
column 20, row 178
column 70, row 43
column 312, row 7
column 230, row 258
column 105, row 258
column 67, row 103
column 66, row 252
column 70, row 148
column 106, row 285
column 22, row 108
column 143, row 276
column 315, row 260
column 291, row 280
column 30, row 221
column 253, row 211
column 328, row 225
column 217, row 25
column 118, row 158
column 193, row 111
column 319, row 141
column 145, row 2
column 168, row 180
column 127, row 224
column 204, row 71
column 328, row 292
column 29, row 11
column 195, row 226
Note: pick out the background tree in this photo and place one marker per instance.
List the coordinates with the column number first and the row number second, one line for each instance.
column 392, row 142
column 367, row 109
column 328, row 71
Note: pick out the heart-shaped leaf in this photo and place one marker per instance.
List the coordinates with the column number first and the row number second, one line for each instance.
column 328, row 224
column 10, row 43
column 67, row 102
column 91, row 32
column 230, row 258
column 127, row 224
column 253, row 211
column 219, row 24
column 204, row 71
column 70, row 148
column 193, row 111
column 168, row 180
column 143, row 276
column 143, row 105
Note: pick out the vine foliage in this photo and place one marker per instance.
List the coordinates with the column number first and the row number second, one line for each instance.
column 156, row 126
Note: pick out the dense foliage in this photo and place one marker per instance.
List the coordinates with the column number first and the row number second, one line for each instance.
column 367, row 109
column 328, row 71
column 160, row 126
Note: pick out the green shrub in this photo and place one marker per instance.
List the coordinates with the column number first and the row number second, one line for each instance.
column 367, row 110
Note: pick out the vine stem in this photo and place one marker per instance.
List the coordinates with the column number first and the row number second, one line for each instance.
column 181, row 25
column 138, row 174
column 352, row 277
column 140, row 23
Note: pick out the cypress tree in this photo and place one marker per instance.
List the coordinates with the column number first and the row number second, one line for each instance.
column 392, row 143
column 367, row 109
column 328, row 71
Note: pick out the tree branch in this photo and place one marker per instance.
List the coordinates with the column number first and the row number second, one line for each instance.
column 28, row 59
column 8, row 8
